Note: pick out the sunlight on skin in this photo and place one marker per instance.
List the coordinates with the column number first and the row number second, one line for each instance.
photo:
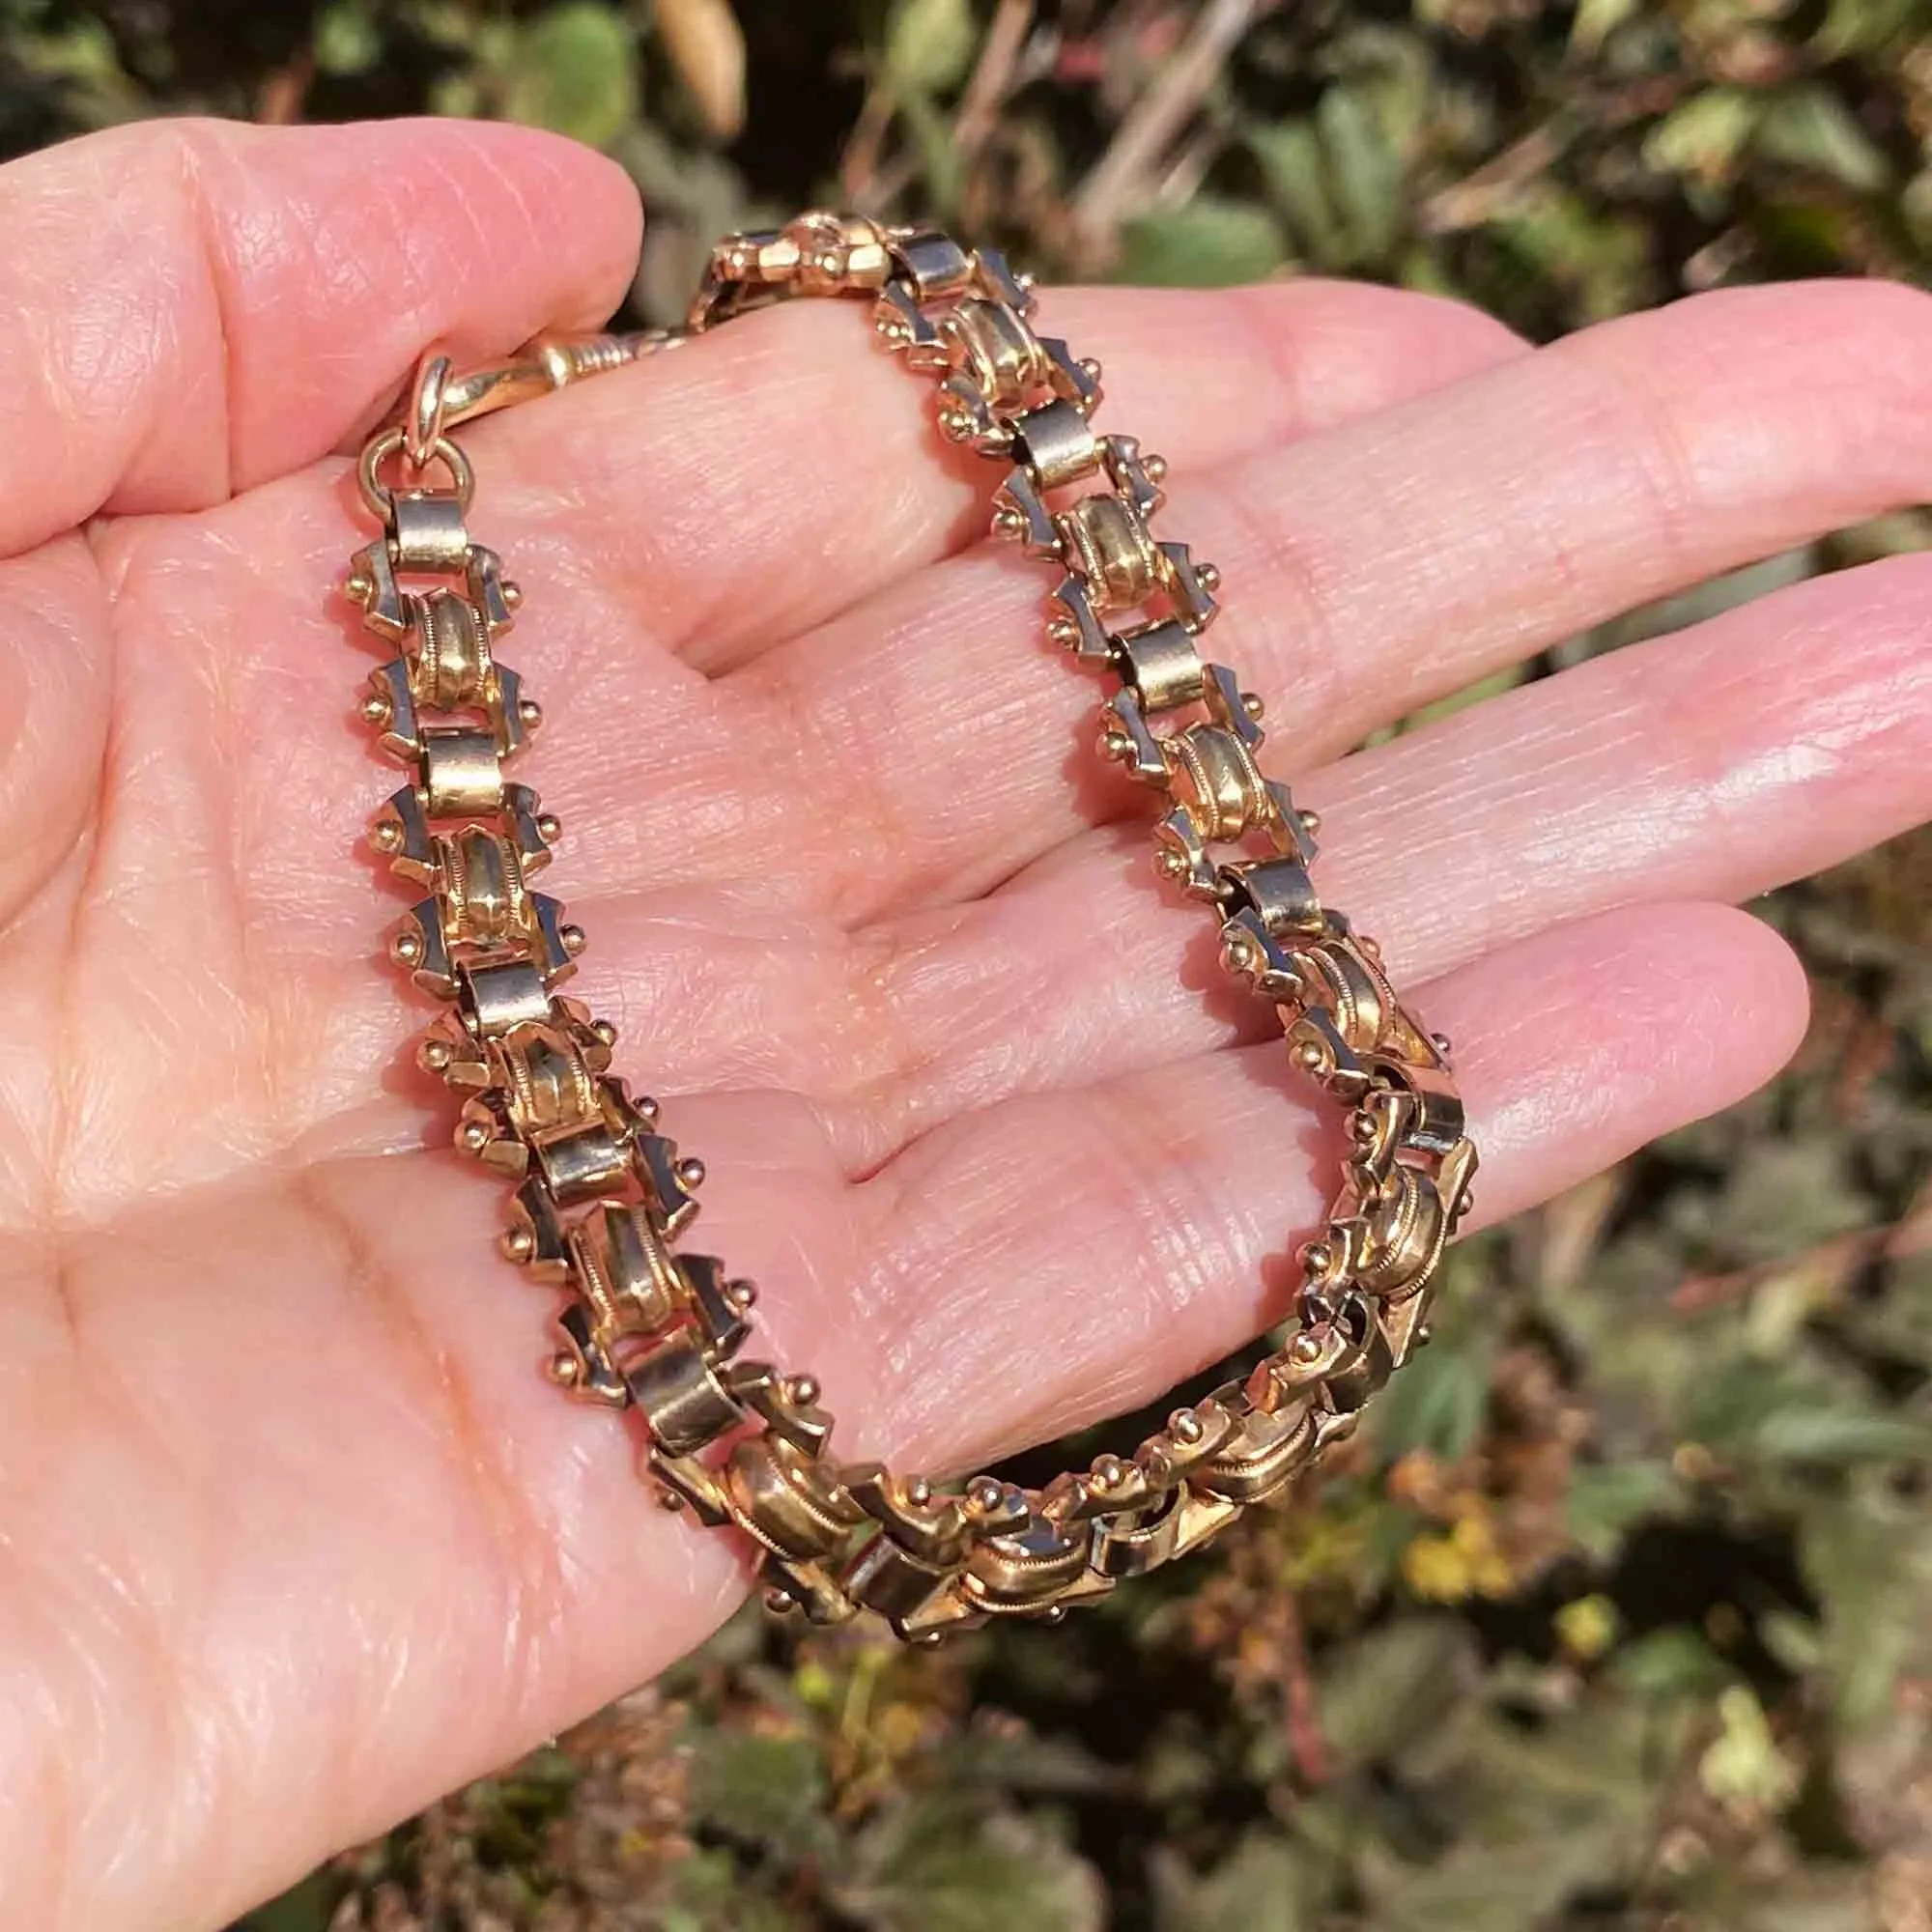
column 293, row 1535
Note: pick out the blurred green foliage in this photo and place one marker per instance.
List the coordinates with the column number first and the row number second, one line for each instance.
column 1623, row 1615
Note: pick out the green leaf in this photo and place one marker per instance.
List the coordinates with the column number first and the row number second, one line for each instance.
column 1365, row 169
column 930, row 44
column 576, row 70
column 346, row 39
column 1438, row 1400
column 766, row 1790
column 1491, row 1889
column 1210, row 243
column 1703, row 137
column 1596, row 22
column 304, row 1909
column 1669, row 1665
column 1865, row 26
column 1538, row 1814
column 1265, row 1887
column 1868, row 1561
column 1397, row 1682
column 1811, row 128
column 1755, row 1412
column 934, row 1865
column 1742, row 1765
column 1606, row 1500
column 1295, row 170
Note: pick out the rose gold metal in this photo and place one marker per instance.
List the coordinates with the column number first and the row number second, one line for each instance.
column 602, row 1198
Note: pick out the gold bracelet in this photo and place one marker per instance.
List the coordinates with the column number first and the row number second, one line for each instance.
column 602, row 1197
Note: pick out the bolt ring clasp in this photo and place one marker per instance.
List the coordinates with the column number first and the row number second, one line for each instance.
column 423, row 419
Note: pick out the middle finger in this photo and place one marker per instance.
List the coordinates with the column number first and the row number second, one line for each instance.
column 929, row 734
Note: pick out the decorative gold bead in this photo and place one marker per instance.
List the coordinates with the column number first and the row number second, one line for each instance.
column 1170, row 864
column 1441, row 1042
column 1308, row 1057
column 801, row 1391
column 1063, row 631
column 519, row 1244
column 919, row 1493
column 669, row 1501
column 358, row 587
column 1305, row 1350
column 1253, row 703
column 530, row 713
column 1184, row 1426
column 377, row 708
column 407, row 948
column 984, row 1494
column 473, row 1136
column 605, row 1031
column 550, row 827
column 387, row 836
column 1209, row 575
column 564, row 1370
column 513, row 596
column 779, row 1603
column 1238, row 954
column 691, row 1172
column 1155, row 468
column 434, row 1056
column 740, row 1296
column 1317, row 1257
column 1090, row 367
column 573, row 939
column 1311, row 822
column 1116, row 745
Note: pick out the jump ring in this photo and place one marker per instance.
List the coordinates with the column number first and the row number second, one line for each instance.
column 377, row 451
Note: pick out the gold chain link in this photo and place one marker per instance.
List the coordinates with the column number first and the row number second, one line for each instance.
column 602, row 1198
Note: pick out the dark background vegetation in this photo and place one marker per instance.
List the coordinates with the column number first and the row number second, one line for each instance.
column 1623, row 1615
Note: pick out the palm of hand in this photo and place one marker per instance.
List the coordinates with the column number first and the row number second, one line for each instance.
column 290, row 1529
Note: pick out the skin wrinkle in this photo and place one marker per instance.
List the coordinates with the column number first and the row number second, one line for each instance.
column 123, row 1617
column 284, row 1072
column 1659, row 462
column 535, row 1598
column 1283, row 353
column 92, row 842
column 50, row 849
column 205, row 257
column 48, row 1784
column 1301, row 605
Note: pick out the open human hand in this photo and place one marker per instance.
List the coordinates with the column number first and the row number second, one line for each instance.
column 293, row 1534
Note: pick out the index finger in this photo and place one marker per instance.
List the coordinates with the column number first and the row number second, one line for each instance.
column 197, row 306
